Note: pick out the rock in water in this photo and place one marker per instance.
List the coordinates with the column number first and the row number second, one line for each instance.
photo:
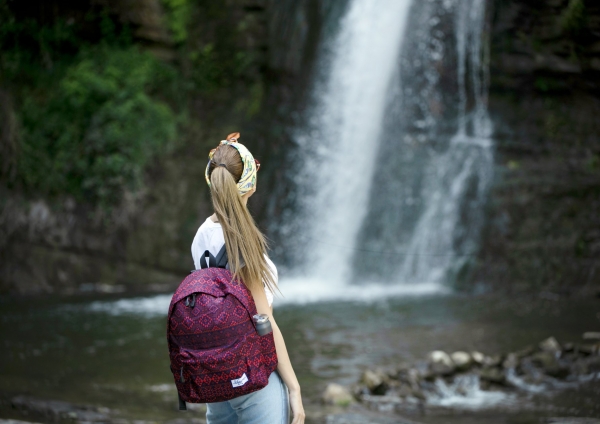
column 440, row 363
column 544, row 360
column 462, row 360
column 550, row 345
column 493, row 374
column 336, row 394
column 478, row 357
column 550, row 366
column 591, row 335
column 375, row 382
column 511, row 361
column 440, row 357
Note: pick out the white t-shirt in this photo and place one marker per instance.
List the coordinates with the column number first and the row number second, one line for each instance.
column 210, row 237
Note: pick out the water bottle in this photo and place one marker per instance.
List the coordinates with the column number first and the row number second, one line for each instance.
column 263, row 325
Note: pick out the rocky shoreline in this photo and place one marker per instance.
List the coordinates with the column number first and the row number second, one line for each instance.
column 452, row 380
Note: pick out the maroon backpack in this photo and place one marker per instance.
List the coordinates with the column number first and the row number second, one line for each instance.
column 216, row 353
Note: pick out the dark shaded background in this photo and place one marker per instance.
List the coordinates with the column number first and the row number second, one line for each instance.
column 97, row 196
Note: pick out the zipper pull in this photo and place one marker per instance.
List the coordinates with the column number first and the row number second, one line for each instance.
column 181, row 378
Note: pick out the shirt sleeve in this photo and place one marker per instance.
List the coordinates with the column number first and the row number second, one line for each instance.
column 195, row 253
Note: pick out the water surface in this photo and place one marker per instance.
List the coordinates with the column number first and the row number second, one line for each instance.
column 112, row 352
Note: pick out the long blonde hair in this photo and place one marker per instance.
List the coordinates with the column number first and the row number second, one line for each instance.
column 246, row 245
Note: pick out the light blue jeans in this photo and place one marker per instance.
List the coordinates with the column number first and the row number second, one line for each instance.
column 269, row 405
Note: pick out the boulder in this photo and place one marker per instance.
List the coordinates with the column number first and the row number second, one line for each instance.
column 405, row 390
column 550, row 345
column 492, row 361
column 544, row 360
column 375, row 382
column 493, row 375
column 586, row 349
column 478, row 357
column 336, row 394
column 549, row 364
column 410, row 376
column 462, row 360
column 591, row 335
column 511, row 361
column 440, row 363
column 560, row 371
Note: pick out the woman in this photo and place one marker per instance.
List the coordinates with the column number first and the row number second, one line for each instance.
column 231, row 176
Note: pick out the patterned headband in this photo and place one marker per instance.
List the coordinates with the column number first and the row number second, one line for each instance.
column 248, row 179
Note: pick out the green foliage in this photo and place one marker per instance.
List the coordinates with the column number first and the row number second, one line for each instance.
column 217, row 53
column 250, row 105
column 92, row 135
column 93, row 110
column 546, row 85
column 178, row 16
column 207, row 74
column 592, row 164
column 573, row 19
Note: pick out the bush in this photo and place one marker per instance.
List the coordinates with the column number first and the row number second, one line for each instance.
column 92, row 135
column 573, row 19
column 178, row 16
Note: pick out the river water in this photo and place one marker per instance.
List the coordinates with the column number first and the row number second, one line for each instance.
column 112, row 352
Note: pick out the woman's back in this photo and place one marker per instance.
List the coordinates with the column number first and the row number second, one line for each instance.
column 210, row 237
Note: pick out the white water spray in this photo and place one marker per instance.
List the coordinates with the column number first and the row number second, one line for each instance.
column 447, row 234
column 380, row 104
column 341, row 144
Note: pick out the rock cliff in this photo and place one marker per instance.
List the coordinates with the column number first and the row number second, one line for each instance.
column 544, row 227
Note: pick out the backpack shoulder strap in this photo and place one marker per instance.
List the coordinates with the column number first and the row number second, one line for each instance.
column 222, row 259
column 219, row 262
column 211, row 260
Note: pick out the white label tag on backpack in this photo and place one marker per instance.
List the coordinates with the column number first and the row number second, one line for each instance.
column 239, row 381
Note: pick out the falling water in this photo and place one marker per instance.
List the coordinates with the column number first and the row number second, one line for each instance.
column 447, row 233
column 340, row 142
column 397, row 153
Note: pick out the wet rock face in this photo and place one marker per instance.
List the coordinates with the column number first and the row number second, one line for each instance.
column 145, row 17
column 553, row 44
column 544, row 229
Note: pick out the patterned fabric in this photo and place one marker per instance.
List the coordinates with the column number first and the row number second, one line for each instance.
column 212, row 339
column 248, row 179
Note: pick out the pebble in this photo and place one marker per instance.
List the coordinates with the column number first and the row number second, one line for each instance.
column 336, row 394
column 550, row 345
column 440, row 357
column 478, row 357
column 462, row 360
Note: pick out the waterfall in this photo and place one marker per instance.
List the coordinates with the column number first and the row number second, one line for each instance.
column 340, row 143
column 447, row 233
column 394, row 162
